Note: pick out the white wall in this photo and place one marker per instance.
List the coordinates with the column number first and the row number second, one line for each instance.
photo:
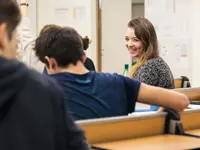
column 86, row 27
column 195, row 44
column 46, row 15
column 115, row 16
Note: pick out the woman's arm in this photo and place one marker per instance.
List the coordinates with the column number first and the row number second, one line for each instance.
column 24, row 28
column 25, row 35
column 24, row 8
column 162, row 97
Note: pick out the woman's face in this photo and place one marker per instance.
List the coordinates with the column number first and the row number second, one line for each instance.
column 133, row 44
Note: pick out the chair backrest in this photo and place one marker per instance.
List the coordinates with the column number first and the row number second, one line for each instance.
column 122, row 128
column 178, row 83
column 182, row 82
column 185, row 82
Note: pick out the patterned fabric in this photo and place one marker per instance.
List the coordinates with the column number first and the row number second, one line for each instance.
column 156, row 72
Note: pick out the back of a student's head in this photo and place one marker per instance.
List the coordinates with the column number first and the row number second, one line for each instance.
column 60, row 44
column 46, row 27
column 9, row 19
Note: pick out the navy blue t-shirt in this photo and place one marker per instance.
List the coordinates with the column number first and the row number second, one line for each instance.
column 97, row 95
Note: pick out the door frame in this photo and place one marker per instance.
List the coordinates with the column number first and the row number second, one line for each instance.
column 99, row 35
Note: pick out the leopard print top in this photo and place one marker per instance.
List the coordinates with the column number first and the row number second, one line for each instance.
column 156, row 72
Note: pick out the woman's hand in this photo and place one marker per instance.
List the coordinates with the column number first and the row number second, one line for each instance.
column 161, row 109
column 24, row 8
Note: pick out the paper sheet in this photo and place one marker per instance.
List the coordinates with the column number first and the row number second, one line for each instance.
column 163, row 6
column 80, row 13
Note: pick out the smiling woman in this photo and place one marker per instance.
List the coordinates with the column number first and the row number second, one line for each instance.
column 133, row 44
column 141, row 42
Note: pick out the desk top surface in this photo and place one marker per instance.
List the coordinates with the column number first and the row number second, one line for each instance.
column 160, row 142
column 195, row 132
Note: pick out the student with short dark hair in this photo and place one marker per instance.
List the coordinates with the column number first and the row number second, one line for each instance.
column 88, row 62
column 90, row 94
column 33, row 115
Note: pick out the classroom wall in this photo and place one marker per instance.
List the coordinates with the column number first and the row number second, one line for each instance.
column 46, row 15
column 195, row 43
column 81, row 15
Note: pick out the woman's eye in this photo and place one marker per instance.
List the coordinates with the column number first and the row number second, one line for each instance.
column 136, row 40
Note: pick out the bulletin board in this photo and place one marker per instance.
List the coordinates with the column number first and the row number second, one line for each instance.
column 172, row 21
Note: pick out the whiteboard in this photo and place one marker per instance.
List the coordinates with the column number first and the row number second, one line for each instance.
column 172, row 22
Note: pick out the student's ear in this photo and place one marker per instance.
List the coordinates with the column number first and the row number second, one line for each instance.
column 52, row 64
column 84, row 57
column 3, row 32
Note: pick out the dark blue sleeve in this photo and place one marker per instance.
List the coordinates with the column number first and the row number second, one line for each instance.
column 132, row 88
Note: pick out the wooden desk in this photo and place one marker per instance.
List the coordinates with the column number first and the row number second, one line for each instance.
column 194, row 132
column 191, row 93
column 160, row 142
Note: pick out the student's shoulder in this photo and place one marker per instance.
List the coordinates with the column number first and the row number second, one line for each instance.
column 108, row 75
column 154, row 62
column 89, row 60
column 114, row 77
column 43, row 83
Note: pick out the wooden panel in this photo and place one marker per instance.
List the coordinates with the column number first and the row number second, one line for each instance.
column 161, row 142
column 121, row 128
column 191, row 93
column 191, row 119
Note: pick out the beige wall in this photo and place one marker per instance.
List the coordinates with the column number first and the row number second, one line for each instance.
column 195, row 44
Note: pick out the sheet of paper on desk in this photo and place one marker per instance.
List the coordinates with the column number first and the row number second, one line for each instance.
column 142, row 113
column 192, row 106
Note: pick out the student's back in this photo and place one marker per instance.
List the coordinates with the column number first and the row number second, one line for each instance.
column 97, row 95
column 32, row 113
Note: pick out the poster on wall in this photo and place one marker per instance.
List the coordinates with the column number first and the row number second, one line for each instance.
column 181, row 50
column 162, row 6
column 172, row 22
column 80, row 13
